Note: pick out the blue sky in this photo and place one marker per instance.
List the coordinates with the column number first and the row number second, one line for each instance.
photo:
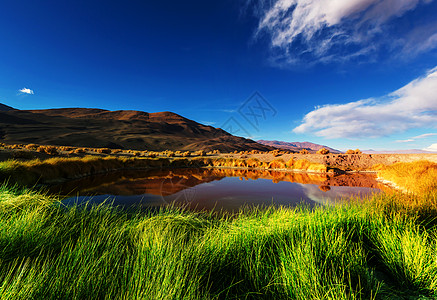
column 348, row 74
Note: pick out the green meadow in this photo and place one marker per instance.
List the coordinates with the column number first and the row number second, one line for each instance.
column 384, row 247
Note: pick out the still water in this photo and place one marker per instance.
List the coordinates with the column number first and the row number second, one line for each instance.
column 219, row 189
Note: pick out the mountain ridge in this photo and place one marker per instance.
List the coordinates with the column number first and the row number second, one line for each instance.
column 297, row 146
column 124, row 129
column 4, row 107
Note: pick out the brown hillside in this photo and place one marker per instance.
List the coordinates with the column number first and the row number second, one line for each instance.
column 83, row 127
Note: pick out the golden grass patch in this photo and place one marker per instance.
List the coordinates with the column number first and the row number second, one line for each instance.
column 418, row 177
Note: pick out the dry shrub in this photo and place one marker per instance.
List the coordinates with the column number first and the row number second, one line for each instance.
column 323, row 151
column 324, row 188
column 170, row 154
column 277, row 164
column 104, row 150
column 151, row 154
column 301, row 164
column 116, row 151
column 275, row 153
column 240, row 163
column 41, row 149
column 32, row 146
column 200, row 153
column 51, row 150
column 290, row 163
column 356, row 151
column 304, row 151
column 186, row 154
column 80, row 150
column 65, row 148
column 253, row 163
column 317, row 168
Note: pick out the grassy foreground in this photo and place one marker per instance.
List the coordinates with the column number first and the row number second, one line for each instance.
column 379, row 250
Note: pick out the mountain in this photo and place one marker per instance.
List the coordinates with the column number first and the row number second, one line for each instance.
column 5, row 107
column 297, row 146
column 124, row 129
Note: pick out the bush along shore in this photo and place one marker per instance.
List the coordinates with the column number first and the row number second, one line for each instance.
column 58, row 169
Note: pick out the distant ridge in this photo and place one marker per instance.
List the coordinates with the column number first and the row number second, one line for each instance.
column 124, row 129
column 4, row 107
column 297, row 146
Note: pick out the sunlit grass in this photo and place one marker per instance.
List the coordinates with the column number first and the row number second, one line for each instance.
column 359, row 250
column 417, row 177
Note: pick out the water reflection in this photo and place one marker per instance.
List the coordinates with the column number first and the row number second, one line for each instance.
column 226, row 189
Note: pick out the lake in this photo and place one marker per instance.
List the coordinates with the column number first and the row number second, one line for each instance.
column 216, row 189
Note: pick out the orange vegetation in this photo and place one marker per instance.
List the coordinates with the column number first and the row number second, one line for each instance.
column 418, row 177
column 323, row 151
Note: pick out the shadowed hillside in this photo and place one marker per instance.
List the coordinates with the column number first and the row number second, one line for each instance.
column 5, row 107
column 83, row 127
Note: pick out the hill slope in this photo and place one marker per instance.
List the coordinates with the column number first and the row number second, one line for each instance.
column 5, row 107
column 297, row 146
column 83, row 127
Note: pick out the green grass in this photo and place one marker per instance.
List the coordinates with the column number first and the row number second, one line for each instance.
column 382, row 248
column 378, row 249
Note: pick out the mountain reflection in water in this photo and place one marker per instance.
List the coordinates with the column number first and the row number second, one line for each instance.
column 226, row 189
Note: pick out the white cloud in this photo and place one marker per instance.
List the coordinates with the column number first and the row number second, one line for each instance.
column 412, row 106
column 26, row 91
column 432, row 147
column 327, row 30
column 405, row 141
column 424, row 136
column 414, row 138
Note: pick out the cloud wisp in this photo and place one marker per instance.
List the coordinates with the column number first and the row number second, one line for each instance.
column 339, row 30
column 414, row 138
column 412, row 106
column 26, row 91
